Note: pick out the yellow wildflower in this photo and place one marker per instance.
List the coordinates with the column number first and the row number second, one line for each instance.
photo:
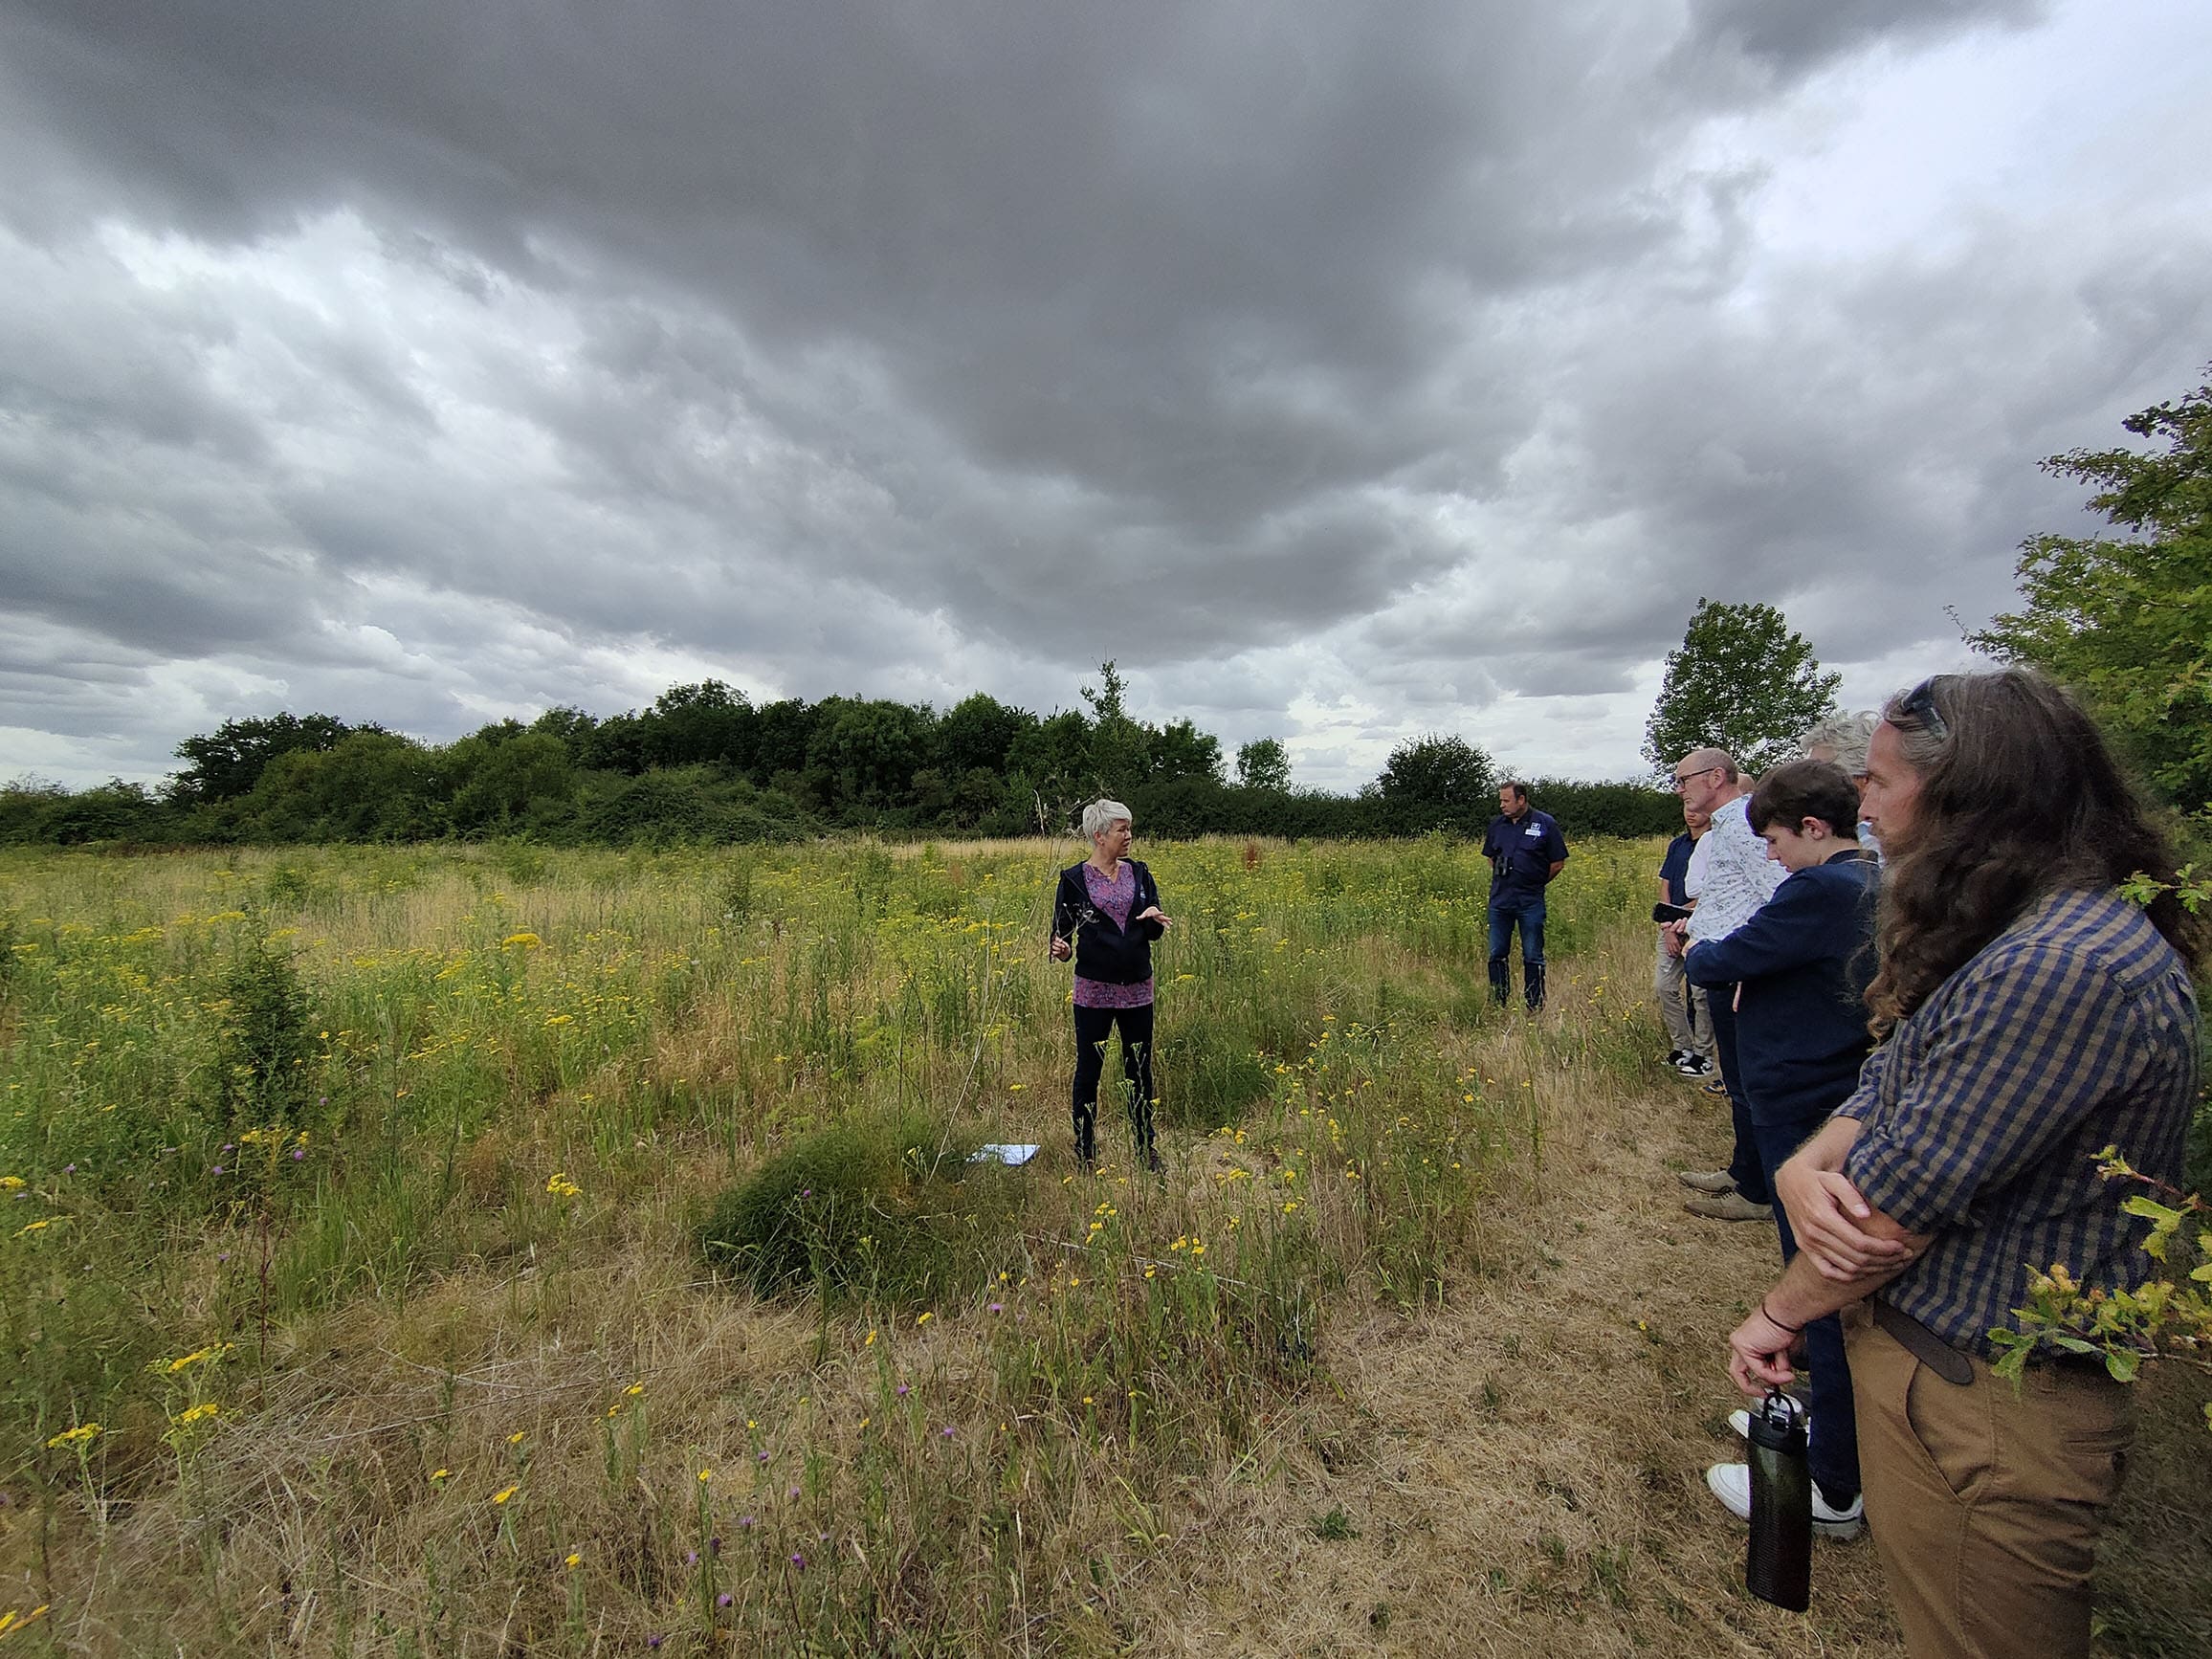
column 72, row 1436
column 504, row 1494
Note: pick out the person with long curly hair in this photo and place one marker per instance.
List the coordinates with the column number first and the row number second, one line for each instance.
column 2029, row 1014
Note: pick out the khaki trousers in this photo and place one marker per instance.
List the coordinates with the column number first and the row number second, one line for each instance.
column 1985, row 1504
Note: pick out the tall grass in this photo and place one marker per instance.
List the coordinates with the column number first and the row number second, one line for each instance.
column 401, row 1160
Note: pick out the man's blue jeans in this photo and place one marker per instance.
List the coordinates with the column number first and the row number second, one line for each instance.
column 1527, row 911
column 1833, row 1455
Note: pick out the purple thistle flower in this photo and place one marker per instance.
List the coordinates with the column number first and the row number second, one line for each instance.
column 795, row 1492
column 798, row 1561
column 902, row 1391
column 230, row 1146
column 297, row 1153
column 713, row 1546
column 218, row 1169
column 724, row 1599
column 948, row 1432
column 691, row 1558
column 68, row 1169
column 654, row 1641
column 224, row 1257
column 997, row 1307
column 745, row 1520
column 764, row 1457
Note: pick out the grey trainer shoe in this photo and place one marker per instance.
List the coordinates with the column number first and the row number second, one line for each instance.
column 1711, row 1182
column 1729, row 1206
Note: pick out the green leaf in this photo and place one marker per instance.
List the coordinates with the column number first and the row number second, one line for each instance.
column 2123, row 1363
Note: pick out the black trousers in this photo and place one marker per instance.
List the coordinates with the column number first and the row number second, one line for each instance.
column 1092, row 1026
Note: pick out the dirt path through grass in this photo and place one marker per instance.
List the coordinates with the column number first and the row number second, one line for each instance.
column 1522, row 1471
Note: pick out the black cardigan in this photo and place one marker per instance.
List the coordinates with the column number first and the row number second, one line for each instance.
column 1103, row 952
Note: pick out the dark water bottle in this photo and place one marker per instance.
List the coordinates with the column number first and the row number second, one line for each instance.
column 1778, row 1567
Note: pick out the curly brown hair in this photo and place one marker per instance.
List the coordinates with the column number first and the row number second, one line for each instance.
column 2020, row 796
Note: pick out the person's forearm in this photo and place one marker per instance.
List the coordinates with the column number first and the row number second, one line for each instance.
column 1803, row 1295
column 1826, row 1150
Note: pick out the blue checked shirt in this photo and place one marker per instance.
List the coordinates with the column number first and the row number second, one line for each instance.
column 1982, row 1116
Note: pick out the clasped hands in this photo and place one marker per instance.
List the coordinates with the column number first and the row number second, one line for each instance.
column 1842, row 1237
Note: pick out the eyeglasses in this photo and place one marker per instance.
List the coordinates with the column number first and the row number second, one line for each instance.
column 1919, row 707
column 1682, row 779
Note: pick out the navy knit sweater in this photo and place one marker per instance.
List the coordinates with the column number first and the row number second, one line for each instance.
column 1805, row 960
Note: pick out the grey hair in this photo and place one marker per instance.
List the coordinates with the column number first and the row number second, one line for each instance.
column 1098, row 817
column 1845, row 737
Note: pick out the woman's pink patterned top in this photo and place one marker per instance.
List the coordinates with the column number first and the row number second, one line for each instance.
column 1113, row 898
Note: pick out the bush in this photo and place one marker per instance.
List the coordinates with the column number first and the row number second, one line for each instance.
column 880, row 1209
column 265, row 1041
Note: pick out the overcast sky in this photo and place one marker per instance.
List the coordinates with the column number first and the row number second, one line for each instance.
column 1346, row 372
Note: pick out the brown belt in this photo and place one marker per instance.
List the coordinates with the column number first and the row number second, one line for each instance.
column 1924, row 1344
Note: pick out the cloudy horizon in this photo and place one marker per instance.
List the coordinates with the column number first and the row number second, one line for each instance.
column 1344, row 374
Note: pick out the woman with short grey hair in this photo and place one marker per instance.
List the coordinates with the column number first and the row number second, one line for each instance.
column 1106, row 913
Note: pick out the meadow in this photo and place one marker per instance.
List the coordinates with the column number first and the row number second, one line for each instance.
column 443, row 1250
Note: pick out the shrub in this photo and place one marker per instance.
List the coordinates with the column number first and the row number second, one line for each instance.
column 265, row 1040
column 883, row 1209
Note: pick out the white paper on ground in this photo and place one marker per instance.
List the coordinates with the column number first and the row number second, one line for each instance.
column 1012, row 1153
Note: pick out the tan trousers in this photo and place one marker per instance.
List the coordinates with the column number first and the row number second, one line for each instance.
column 1985, row 1504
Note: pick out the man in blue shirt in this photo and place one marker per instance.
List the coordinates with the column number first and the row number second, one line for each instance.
column 1681, row 1005
column 1525, row 850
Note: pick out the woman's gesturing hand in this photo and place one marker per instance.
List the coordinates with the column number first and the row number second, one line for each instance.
column 1062, row 950
column 1151, row 913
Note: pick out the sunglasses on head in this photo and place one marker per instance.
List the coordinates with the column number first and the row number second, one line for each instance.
column 1919, row 707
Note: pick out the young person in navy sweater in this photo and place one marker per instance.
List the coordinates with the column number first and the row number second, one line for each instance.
column 1803, row 961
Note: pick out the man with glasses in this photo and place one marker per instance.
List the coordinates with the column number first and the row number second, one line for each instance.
column 2029, row 1013
column 1730, row 877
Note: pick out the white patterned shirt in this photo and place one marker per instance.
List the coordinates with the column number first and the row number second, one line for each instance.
column 1730, row 875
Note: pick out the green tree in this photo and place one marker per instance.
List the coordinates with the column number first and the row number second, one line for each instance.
column 977, row 731
column 1264, row 764
column 229, row 761
column 1178, row 749
column 1435, row 782
column 2127, row 620
column 1744, row 681
column 1119, row 758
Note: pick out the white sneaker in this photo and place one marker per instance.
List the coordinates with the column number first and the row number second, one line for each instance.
column 1731, row 1484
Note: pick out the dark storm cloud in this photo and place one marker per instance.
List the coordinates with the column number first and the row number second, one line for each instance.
column 1790, row 37
column 911, row 347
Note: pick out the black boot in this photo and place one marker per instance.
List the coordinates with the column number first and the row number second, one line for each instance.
column 1532, row 983
column 1087, row 1137
column 1501, row 981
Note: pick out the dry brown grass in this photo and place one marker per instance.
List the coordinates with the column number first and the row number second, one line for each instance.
column 1514, row 1465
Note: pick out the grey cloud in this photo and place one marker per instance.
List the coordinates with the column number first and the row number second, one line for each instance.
column 1792, row 36
column 905, row 348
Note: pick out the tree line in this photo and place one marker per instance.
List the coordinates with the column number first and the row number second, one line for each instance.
column 705, row 764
